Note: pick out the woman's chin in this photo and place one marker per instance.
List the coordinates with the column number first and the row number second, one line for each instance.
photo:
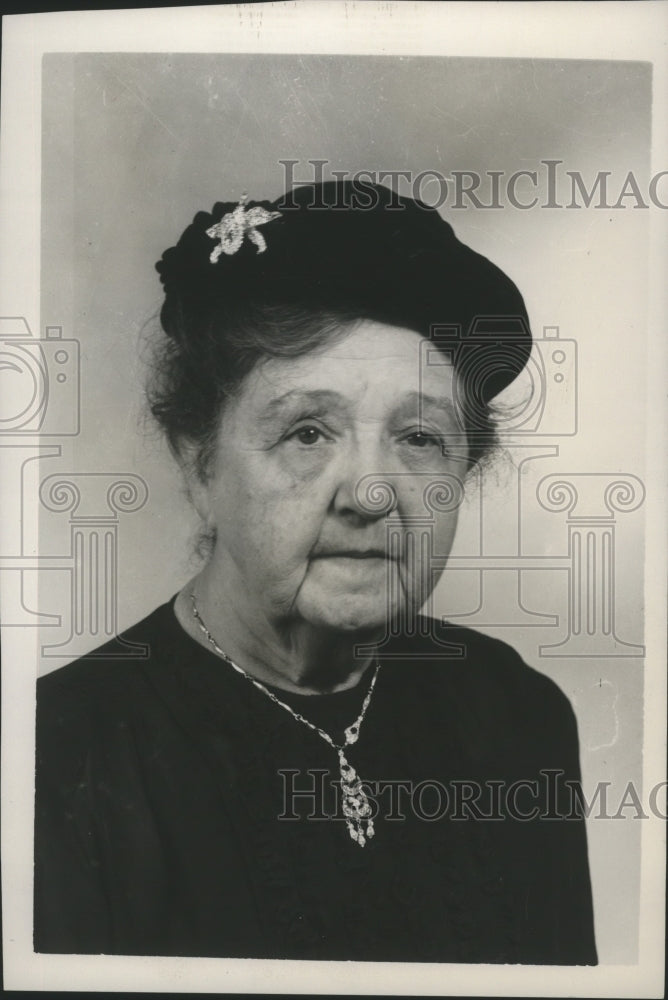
column 347, row 613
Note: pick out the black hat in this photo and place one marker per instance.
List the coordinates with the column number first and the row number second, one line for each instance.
column 362, row 250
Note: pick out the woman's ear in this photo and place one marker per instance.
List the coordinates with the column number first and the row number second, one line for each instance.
column 189, row 458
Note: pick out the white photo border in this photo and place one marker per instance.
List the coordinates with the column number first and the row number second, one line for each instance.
column 612, row 31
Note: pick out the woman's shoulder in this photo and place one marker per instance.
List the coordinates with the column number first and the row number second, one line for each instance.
column 104, row 710
column 454, row 652
column 115, row 671
column 489, row 683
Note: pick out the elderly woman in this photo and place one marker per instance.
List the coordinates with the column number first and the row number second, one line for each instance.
column 303, row 766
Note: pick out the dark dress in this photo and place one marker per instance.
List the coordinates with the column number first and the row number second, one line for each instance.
column 160, row 783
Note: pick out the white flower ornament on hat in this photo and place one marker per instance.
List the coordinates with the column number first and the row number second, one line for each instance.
column 238, row 224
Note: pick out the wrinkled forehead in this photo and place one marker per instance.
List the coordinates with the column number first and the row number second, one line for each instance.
column 372, row 363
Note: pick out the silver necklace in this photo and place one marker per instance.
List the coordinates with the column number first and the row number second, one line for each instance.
column 355, row 803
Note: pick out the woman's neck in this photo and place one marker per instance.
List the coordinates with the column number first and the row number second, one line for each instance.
column 294, row 656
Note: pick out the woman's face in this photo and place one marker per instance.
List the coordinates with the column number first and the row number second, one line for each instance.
column 291, row 493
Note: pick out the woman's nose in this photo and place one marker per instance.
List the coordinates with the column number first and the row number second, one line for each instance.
column 364, row 484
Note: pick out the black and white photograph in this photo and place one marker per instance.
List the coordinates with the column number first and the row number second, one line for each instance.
column 333, row 445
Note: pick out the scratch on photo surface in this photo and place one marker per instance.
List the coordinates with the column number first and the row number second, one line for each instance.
column 134, row 92
column 613, row 708
column 468, row 129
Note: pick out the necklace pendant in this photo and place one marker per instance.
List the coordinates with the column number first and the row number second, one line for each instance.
column 355, row 803
column 352, row 733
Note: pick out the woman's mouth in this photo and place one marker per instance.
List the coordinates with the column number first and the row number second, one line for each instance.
column 354, row 554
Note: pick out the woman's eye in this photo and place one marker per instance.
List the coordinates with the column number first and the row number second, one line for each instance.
column 421, row 439
column 308, row 435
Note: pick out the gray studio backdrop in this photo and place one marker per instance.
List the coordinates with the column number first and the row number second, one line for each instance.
column 134, row 145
